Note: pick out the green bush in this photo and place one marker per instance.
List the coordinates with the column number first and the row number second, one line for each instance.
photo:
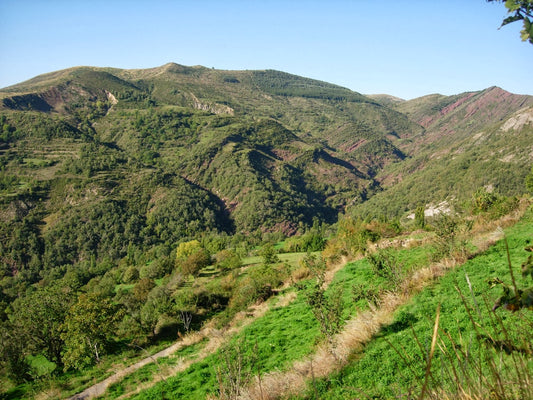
column 195, row 262
column 256, row 286
column 131, row 274
column 384, row 264
column 228, row 260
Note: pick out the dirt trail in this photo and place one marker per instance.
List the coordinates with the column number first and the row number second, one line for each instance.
column 216, row 339
column 100, row 388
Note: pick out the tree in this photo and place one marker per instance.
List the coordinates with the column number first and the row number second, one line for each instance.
column 131, row 274
column 195, row 262
column 12, row 353
column 185, row 304
column 191, row 257
column 269, row 254
column 186, row 249
column 420, row 217
column 520, row 10
column 157, row 304
column 38, row 319
column 228, row 259
column 142, row 289
column 88, row 329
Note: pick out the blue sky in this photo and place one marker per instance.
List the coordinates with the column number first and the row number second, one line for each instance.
column 403, row 48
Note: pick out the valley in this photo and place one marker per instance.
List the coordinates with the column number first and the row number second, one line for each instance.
column 258, row 220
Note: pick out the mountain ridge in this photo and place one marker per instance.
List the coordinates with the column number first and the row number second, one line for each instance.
column 259, row 149
column 146, row 197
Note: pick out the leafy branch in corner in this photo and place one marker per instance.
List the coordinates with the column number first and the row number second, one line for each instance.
column 520, row 10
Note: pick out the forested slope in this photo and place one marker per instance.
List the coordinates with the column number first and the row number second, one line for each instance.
column 123, row 188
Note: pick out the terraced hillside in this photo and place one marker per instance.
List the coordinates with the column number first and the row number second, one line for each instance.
column 132, row 202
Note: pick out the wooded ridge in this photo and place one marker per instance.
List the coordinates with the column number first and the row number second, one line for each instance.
column 135, row 199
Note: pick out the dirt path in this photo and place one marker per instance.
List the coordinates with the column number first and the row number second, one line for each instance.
column 100, row 388
column 216, row 339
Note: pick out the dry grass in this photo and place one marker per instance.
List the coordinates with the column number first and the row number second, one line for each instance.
column 357, row 332
column 363, row 327
column 300, row 274
column 286, row 299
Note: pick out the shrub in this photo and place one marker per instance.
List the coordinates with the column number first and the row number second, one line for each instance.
column 483, row 200
column 491, row 203
column 234, row 368
column 257, row 286
column 450, row 231
column 327, row 308
column 130, row 275
column 269, row 254
column 310, row 241
column 385, row 264
column 227, row 260
column 352, row 238
column 195, row 262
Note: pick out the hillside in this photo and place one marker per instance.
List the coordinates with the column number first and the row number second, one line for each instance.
column 179, row 150
column 307, row 148
column 142, row 195
column 471, row 140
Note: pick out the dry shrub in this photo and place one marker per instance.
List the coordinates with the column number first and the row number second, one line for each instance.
column 228, row 282
column 333, row 251
column 300, row 273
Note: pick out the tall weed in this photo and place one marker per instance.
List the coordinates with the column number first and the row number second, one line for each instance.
column 496, row 360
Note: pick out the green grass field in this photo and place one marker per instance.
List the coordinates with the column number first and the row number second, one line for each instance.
column 394, row 363
column 289, row 258
column 283, row 335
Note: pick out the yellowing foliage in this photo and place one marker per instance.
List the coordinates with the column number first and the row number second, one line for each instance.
column 187, row 249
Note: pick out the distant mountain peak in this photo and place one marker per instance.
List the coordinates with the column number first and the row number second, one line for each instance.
column 385, row 99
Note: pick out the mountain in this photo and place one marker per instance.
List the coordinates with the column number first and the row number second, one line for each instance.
column 463, row 114
column 469, row 141
column 386, row 99
column 99, row 161
column 136, row 206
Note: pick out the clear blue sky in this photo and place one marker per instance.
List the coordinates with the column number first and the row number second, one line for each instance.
column 406, row 48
